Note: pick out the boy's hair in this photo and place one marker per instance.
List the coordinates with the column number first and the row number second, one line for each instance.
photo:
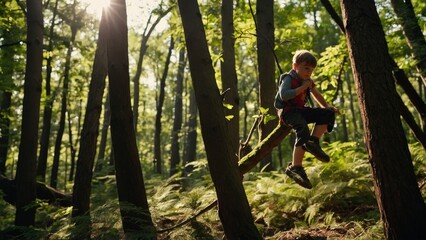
column 304, row 56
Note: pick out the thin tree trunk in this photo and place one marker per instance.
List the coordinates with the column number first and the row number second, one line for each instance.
column 403, row 81
column 177, row 123
column 142, row 50
column 6, row 101
column 26, row 167
column 104, row 136
column 413, row 33
column 7, row 67
column 229, row 74
column 132, row 197
column 191, row 138
column 395, row 183
column 47, row 112
column 234, row 210
column 266, row 62
column 72, row 148
column 61, row 129
column 160, row 103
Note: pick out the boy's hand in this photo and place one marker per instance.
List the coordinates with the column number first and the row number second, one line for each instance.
column 335, row 109
column 307, row 83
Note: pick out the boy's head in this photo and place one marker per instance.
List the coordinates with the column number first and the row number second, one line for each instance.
column 304, row 63
column 304, row 56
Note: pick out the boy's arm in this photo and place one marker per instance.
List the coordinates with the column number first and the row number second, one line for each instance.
column 321, row 101
column 318, row 97
column 286, row 92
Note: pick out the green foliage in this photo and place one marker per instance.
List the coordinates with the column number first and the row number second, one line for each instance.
column 342, row 192
column 342, row 200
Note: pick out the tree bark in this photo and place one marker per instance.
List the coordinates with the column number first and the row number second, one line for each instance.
column 157, row 136
column 402, row 80
column 395, row 184
column 7, row 67
column 229, row 74
column 6, row 101
column 413, row 33
column 60, row 133
column 266, row 62
column 190, row 153
column 177, row 122
column 104, row 136
column 263, row 149
column 234, row 210
column 47, row 112
column 89, row 134
column 142, row 50
column 26, row 166
column 132, row 197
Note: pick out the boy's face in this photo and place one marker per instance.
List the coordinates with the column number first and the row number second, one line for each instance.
column 303, row 70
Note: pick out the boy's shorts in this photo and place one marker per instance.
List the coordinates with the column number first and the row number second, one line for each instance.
column 299, row 118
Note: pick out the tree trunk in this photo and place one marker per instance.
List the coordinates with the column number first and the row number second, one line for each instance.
column 132, row 197
column 234, row 210
column 395, row 184
column 352, row 107
column 344, row 137
column 6, row 101
column 89, row 135
column 229, row 74
column 403, row 81
column 413, row 33
column 191, row 138
column 60, row 133
column 104, row 136
column 266, row 62
column 399, row 74
column 47, row 112
column 142, row 50
column 157, row 137
column 177, row 123
column 26, row 167
column 72, row 148
column 7, row 67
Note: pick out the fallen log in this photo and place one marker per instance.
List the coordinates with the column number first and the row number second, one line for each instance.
column 45, row 193
column 263, row 148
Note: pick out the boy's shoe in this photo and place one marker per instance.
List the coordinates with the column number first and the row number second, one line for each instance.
column 312, row 146
column 298, row 174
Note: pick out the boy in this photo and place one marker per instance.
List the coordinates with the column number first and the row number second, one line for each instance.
column 295, row 86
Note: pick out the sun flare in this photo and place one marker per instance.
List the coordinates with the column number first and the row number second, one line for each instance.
column 96, row 6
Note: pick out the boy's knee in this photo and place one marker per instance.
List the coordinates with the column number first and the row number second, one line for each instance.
column 331, row 119
column 302, row 135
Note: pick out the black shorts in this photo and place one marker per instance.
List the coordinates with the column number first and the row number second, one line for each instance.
column 299, row 118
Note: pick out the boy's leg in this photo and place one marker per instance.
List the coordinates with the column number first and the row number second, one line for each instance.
column 295, row 170
column 324, row 121
column 319, row 130
column 298, row 154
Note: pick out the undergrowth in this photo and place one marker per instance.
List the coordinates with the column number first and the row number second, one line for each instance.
column 341, row 205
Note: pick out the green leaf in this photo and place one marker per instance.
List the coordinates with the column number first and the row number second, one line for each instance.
column 228, row 106
column 229, row 117
column 268, row 118
column 264, row 110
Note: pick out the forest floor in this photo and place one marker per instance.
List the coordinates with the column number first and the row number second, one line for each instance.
column 310, row 234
